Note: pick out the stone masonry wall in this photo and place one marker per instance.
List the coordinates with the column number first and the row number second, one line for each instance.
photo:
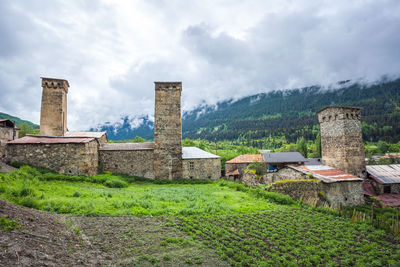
column 379, row 188
column 317, row 193
column 6, row 134
column 129, row 162
column 229, row 167
column 341, row 139
column 168, row 131
column 203, row 169
column 74, row 159
column 53, row 114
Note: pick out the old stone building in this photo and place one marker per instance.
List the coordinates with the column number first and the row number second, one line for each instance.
column 168, row 131
column 53, row 114
column 341, row 139
column 8, row 132
column 199, row 164
column 87, row 152
column 67, row 155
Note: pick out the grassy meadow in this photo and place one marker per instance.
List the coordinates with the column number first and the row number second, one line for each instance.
column 244, row 226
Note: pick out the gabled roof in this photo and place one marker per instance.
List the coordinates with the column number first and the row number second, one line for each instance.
column 85, row 134
column 326, row 174
column 197, row 153
column 384, row 174
column 247, row 158
column 127, row 146
column 37, row 139
column 7, row 123
column 283, row 157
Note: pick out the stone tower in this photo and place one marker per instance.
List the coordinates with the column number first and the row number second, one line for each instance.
column 53, row 114
column 341, row 139
column 168, row 131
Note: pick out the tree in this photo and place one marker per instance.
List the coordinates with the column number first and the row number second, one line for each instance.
column 25, row 129
column 138, row 139
column 301, row 147
column 318, row 145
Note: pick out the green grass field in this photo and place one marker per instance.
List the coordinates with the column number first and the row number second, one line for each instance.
column 246, row 227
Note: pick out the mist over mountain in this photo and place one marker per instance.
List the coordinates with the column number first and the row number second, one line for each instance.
column 289, row 113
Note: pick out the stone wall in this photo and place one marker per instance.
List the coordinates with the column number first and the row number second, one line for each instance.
column 379, row 188
column 129, row 162
column 229, row 167
column 73, row 158
column 6, row 134
column 53, row 114
column 341, row 139
column 285, row 173
column 202, row 169
column 168, row 131
column 318, row 193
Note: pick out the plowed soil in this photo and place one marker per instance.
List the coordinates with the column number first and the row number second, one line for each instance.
column 47, row 239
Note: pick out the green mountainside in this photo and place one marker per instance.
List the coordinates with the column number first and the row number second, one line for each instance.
column 292, row 113
column 18, row 121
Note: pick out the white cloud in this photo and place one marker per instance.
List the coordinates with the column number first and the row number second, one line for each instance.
column 111, row 52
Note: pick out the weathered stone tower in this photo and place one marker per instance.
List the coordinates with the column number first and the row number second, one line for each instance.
column 341, row 139
column 53, row 114
column 168, row 131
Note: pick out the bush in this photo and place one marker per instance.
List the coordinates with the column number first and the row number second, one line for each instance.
column 115, row 183
column 6, row 224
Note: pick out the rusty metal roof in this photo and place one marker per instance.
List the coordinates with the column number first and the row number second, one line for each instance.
column 30, row 139
column 85, row 134
column 283, row 157
column 385, row 174
column 390, row 199
column 247, row 158
column 326, row 173
column 128, row 146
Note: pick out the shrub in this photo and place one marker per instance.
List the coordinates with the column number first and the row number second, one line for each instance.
column 6, row 224
column 115, row 183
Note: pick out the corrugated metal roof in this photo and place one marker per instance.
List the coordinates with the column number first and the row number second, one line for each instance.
column 283, row 157
column 326, row 173
column 313, row 161
column 85, row 134
column 127, row 146
column 30, row 139
column 247, row 158
column 385, row 174
column 390, row 199
column 196, row 153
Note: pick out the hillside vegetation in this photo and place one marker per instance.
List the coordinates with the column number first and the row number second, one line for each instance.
column 292, row 114
column 244, row 226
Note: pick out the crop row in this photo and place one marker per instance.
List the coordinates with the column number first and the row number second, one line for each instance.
column 292, row 237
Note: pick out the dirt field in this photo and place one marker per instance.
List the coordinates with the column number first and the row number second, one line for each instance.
column 45, row 239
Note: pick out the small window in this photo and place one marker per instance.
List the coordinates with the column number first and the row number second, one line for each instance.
column 191, row 165
column 387, row 189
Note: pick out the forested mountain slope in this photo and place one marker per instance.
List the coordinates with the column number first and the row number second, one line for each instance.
column 292, row 113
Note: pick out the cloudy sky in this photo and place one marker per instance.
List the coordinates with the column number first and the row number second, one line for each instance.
column 111, row 52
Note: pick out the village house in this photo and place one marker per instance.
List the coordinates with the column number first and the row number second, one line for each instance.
column 86, row 153
column 8, row 132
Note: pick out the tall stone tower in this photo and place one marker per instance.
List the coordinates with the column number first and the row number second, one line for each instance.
column 53, row 114
column 168, row 131
column 341, row 139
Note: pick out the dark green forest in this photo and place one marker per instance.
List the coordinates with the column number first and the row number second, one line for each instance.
column 292, row 114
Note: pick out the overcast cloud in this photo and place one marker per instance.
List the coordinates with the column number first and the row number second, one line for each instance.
column 111, row 52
